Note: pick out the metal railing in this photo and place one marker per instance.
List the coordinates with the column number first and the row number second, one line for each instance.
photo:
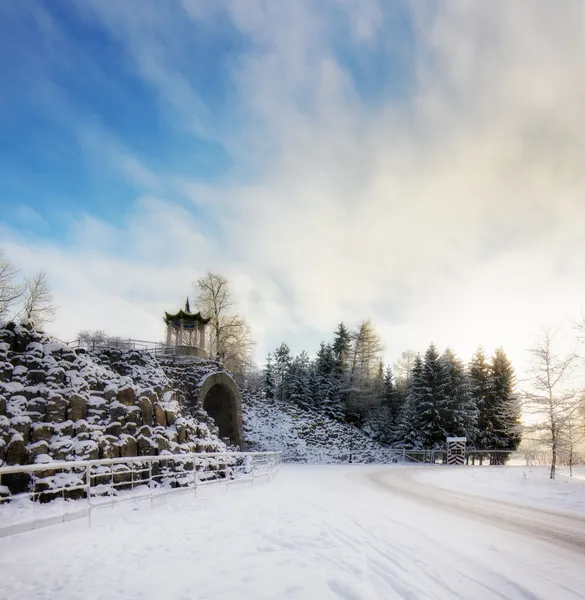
column 400, row 455
column 64, row 491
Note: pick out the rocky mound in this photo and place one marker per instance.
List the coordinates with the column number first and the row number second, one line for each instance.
column 57, row 403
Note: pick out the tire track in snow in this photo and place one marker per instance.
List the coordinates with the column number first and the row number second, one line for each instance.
column 564, row 531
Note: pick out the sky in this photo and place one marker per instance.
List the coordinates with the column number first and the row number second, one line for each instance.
column 416, row 163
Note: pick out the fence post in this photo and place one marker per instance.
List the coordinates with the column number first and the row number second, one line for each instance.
column 88, row 491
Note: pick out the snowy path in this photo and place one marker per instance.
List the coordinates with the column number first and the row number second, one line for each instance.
column 335, row 532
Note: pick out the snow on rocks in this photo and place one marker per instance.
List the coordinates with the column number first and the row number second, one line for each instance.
column 60, row 404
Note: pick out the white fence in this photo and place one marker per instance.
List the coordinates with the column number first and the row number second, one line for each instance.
column 64, row 491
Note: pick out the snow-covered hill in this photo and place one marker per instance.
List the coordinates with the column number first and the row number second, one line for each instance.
column 57, row 403
column 304, row 436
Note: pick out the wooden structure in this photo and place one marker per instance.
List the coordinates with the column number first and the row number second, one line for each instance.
column 187, row 331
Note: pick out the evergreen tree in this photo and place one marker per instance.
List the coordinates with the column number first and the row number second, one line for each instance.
column 342, row 348
column 408, row 430
column 269, row 383
column 434, row 404
column 504, row 407
column 480, row 381
column 461, row 415
column 298, row 381
column 282, row 360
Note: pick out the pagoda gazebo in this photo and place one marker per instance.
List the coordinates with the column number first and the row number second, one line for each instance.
column 186, row 330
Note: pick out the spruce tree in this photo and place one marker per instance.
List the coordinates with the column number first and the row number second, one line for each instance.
column 433, row 404
column 504, row 407
column 408, row 430
column 298, row 381
column 480, row 381
column 461, row 416
column 342, row 348
column 282, row 360
column 269, row 383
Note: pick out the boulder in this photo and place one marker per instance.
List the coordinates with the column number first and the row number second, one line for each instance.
column 35, row 377
column 133, row 415
column 80, row 426
column 56, row 409
column 130, row 428
column 126, row 395
column 145, row 431
column 160, row 416
column 162, row 443
column 21, row 425
column 3, row 406
column 114, row 429
column 37, row 405
column 40, row 448
column 171, row 416
column 77, row 407
column 64, row 429
column 42, row 431
column 128, row 446
column 108, row 447
column 87, row 450
column 146, row 447
column 117, row 411
column 145, row 406
column 16, row 452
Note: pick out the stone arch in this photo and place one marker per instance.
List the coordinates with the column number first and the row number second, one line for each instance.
column 222, row 400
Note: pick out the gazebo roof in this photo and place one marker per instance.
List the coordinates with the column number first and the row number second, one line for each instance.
column 187, row 316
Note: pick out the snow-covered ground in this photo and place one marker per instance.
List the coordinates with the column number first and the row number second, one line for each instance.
column 530, row 485
column 316, row 532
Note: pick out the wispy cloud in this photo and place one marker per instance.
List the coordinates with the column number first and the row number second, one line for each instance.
column 449, row 215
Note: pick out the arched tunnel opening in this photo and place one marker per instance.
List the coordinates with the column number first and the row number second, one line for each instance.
column 219, row 403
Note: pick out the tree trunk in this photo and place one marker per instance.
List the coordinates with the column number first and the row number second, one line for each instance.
column 553, row 464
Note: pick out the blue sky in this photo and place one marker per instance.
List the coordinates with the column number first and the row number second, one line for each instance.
column 410, row 162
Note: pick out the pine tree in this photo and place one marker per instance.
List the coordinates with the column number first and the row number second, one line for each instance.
column 282, row 360
column 408, row 430
column 434, row 403
column 480, row 380
column 461, row 416
column 298, row 381
column 342, row 348
column 504, row 407
column 269, row 383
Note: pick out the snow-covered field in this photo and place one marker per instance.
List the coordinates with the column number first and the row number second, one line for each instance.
column 316, row 532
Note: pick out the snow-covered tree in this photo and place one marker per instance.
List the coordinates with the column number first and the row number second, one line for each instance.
column 551, row 398
column 282, row 360
column 38, row 306
column 461, row 413
column 408, row 430
column 504, row 407
column 269, row 379
column 433, row 403
column 479, row 377
column 230, row 337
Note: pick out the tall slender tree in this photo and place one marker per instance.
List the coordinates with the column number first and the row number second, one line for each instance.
column 504, row 407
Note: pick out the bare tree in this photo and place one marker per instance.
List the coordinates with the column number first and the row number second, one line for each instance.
column 230, row 335
column 10, row 293
column 551, row 398
column 38, row 306
column 403, row 366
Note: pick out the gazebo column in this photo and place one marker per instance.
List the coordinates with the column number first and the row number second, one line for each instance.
column 169, row 334
column 201, row 328
column 181, row 334
column 191, row 337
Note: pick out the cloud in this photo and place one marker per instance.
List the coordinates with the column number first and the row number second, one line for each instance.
column 450, row 215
